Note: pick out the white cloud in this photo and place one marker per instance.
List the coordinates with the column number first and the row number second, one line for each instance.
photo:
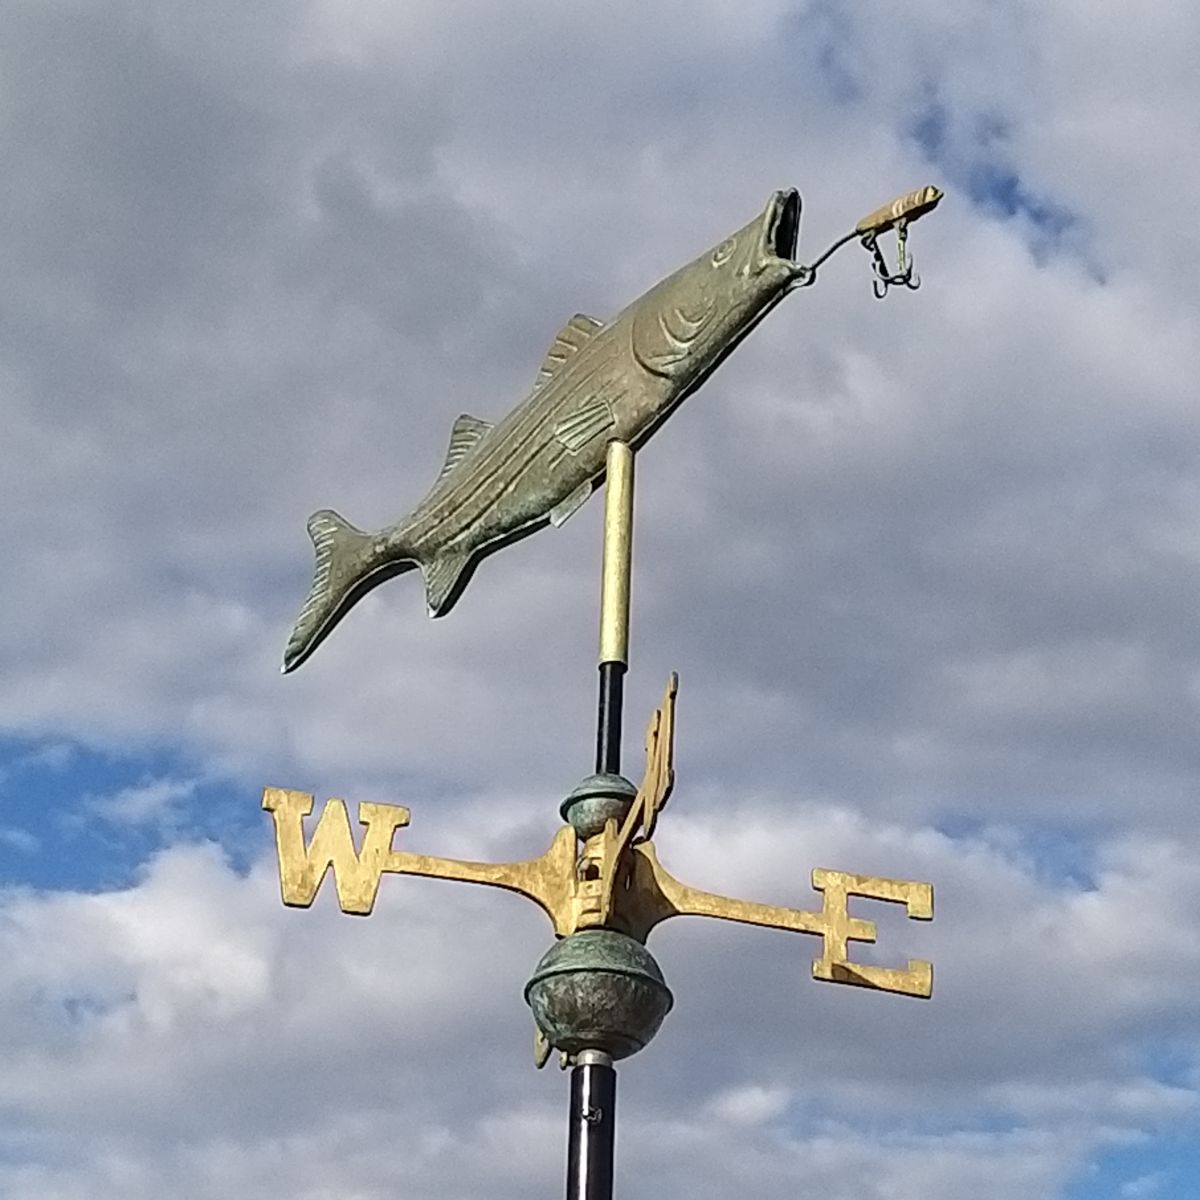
column 153, row 802
column 926, row 563
column 189, row 1024
column 1144, row 1186
column 749, row 1105
column 54, row 756
column 19, row 839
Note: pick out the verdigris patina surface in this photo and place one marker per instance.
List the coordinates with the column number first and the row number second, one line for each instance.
column 598, row 383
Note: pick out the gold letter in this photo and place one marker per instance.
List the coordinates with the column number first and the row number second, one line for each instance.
column 834, row 964
column 301, row 868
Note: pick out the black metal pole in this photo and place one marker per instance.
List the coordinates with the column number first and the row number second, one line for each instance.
column 608, row 718
column 593, row 1127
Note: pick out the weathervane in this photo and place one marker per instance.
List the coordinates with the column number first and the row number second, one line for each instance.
column 597, row 994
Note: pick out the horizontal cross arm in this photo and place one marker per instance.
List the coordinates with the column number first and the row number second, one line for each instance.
column 652, row 895
column 548, row 880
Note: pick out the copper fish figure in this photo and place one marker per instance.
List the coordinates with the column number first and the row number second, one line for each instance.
column 598, row 382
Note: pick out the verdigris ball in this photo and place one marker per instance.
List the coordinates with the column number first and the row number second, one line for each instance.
column 595, row 800
column 598, row 989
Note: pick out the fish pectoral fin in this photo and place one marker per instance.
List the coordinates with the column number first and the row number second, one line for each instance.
column 574, row 432
column 465, row 434
column 444, row 579
column 577, row 332
column 567, row 508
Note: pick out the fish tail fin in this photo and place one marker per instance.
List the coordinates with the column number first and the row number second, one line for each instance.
column 341, row 576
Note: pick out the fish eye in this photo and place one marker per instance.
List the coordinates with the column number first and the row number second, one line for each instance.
column 724, row 252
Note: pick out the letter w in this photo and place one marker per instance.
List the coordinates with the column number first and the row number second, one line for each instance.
column 302, row 868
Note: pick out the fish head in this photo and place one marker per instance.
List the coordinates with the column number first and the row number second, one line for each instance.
column 685, row 326
column 760, row 252
column 778, row 231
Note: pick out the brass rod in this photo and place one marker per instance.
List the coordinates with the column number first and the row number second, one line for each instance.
column 618, row 548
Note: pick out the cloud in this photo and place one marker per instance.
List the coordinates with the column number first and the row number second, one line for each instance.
column 1144, row 1186
column 895, row 506
column 927, row 569
column 190, row 1023
column 154, row 801
column 749, row 1105
column 20, row 839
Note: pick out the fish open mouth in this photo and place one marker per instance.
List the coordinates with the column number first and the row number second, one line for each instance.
column 783, row 224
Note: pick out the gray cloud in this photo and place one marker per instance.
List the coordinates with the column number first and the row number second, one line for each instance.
column 924, row 566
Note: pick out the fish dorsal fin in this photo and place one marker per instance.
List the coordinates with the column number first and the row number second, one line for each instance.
column 574, row 334
column 466, row 432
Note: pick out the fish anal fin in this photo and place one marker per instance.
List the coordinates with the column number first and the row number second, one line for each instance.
column 575, row 431
column 465, row 434
column 444, row 579
column 567, row 508
column 576, row 333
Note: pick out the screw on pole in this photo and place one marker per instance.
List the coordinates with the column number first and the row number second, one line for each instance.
column 593, row 1127
column 614, row 604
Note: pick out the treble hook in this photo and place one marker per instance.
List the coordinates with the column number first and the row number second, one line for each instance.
column 898, row 216
column 903, row 274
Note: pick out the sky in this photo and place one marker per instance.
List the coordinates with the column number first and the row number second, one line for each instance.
column 927, row 569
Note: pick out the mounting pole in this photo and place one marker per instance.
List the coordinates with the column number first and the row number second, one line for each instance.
column 592, row 1124
column 614, row 604
column 593, row 1127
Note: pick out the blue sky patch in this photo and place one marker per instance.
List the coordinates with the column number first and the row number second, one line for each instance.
column 1158, row 1168
column 73, row 817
